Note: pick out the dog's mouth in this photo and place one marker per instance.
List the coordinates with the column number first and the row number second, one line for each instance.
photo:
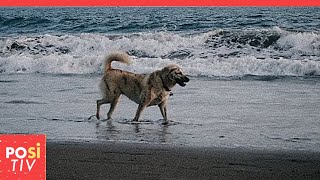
column 182, row 81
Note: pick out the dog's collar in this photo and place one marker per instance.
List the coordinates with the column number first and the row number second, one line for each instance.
column 164, row 85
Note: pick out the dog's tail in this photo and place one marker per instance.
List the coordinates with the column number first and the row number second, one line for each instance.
column 118, row 56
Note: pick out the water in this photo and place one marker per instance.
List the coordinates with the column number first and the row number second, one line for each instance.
column 206, row 42
column 255, row 73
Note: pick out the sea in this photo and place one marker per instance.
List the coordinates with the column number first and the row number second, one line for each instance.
column 255, row 74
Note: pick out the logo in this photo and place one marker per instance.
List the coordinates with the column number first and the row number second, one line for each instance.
column 22, row 157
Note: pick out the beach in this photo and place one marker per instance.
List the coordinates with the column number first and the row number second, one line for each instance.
column 114, row 160
column 233, row 137
column 250, row 110
column 279, row 114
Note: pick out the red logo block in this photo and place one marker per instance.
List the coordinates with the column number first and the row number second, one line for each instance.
column 22, row 157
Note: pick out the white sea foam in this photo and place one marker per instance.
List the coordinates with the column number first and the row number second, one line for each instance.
column 213, row 53
column 303, row 43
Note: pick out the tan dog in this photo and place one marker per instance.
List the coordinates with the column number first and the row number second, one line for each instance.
column 146, row 90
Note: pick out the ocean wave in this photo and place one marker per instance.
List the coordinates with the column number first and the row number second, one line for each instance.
column 216, row 53
column 31, row 22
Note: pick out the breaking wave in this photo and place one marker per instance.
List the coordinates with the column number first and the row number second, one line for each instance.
column 223, row 53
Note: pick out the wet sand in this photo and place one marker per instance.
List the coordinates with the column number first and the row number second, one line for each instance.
column 114, row 160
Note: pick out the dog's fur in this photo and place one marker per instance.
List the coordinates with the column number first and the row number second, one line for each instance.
column 146, row 90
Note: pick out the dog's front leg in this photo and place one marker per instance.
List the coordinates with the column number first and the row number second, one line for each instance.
column 139, row 111
column 163, row 110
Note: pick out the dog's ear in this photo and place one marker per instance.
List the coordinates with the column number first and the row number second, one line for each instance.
column 168, row 71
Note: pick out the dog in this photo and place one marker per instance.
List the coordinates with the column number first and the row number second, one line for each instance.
column 144, row 89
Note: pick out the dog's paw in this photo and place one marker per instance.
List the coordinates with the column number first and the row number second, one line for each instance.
column 91, row 117
column 165, row 122
column 168, row 122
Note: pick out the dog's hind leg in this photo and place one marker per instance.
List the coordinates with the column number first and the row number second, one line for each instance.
column 113, row 106
column 99, row 103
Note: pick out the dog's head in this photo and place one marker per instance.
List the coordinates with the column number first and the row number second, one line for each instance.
column 174, row 73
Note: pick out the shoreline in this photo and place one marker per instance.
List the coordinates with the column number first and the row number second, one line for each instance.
column 114, row 160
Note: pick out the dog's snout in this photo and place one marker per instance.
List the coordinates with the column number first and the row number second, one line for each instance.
column 186, row 79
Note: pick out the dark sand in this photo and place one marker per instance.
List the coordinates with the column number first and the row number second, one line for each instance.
column 111, row 160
